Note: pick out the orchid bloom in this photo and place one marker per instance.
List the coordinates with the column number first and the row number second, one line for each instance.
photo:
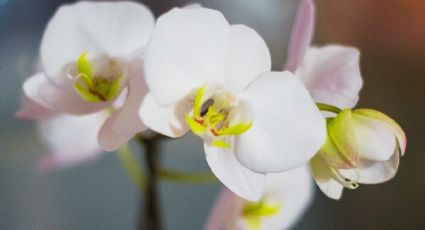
column 363, row 145
column 214, row 79
column 91, row 53
column 286, row 197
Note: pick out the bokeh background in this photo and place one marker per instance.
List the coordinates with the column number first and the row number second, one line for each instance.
column 99, row 195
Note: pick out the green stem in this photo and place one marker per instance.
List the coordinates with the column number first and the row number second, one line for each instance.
column 328, row 108
column 133, row 168
column 186, row 177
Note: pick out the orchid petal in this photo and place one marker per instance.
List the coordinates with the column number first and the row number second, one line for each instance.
column 241, row 180
column 396, row 129
column 109, row 138
column 376, row 141
column 294, row 189
column 373, row 172
column 33, row 111
column 59, row 97
column 169, row 121
column 71, row 139
column 100, row 28
column 188, row 48
column 332, row 75
column 285, row 119
column 226, row 211
column 323, row 178
column 301, row 35
column 248, row 56
column 128, row 120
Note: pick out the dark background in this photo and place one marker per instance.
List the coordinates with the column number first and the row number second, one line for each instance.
column 99, row 195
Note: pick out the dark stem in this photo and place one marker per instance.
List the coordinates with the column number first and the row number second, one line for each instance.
column 150, row 216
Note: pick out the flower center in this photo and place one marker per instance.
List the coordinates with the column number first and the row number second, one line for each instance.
column 219, row 116
column 99, row 85
column 254, row 212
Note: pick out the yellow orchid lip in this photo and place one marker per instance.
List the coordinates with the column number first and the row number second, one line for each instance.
column 214, row 121
column 94, row 88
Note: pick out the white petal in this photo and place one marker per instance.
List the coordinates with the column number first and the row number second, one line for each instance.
column 128, row 120
column 294, row 189
column 248, row 57
column 332, row 75
column 188, row 48
column 59, row 96
column 373, row 172
column 376, row 141
column 241, row 180
column 116, row 29
column 285, row 119
column 323, row 178
column 71, row 139
column 301, row 35
column 168, row 121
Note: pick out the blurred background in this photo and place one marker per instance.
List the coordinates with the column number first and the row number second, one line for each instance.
column 99, row 195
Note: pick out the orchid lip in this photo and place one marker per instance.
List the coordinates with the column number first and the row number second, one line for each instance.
column 97, row 85
column 213, row 118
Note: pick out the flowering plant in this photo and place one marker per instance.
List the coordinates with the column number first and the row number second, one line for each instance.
column 110, row 73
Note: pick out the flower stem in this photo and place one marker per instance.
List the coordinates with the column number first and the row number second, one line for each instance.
column 150, row 217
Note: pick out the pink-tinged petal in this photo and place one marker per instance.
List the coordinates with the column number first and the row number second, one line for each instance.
column 116, row 29
column 168, row 121
column 396, row 129
column 332, row 75
column 128, row 120
column 109, row 138
column 71, row 139
column 239, row 179
column 226, row 211
column 60, row 96
column 374, row 172
column 294, row 190
column 285, row 119
column 188, row 48
column 301, row 36
column 248, row 57
column 323, row 178
column 376, row 141
column 33, row 111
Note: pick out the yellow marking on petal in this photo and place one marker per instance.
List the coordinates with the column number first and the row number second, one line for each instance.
column 220, row 144
column 84, row 66
column 235, row 129
column 197, row 104
column 196, row 128
column 255, row 211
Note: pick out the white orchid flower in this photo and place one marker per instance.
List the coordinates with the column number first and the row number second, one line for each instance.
column 363, row 145
column 214, row 78
column 91, row 54
column 286, row 197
